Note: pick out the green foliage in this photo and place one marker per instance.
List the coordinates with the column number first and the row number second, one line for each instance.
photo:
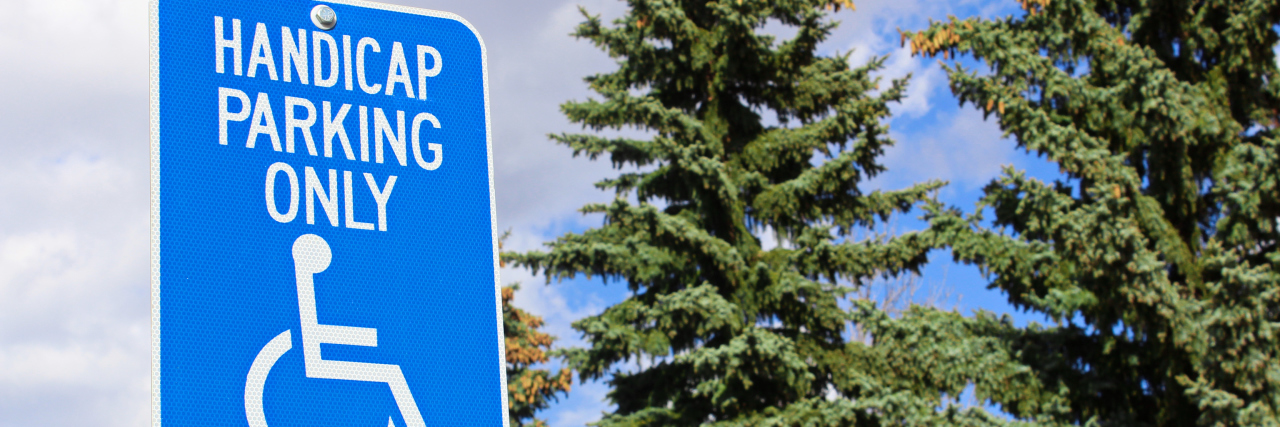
column 1156, row 256
column 716, row 328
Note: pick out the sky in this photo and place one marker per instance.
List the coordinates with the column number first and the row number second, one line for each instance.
column 74, row 290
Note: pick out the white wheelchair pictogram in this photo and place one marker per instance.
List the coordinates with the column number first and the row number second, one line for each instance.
column 311, row 255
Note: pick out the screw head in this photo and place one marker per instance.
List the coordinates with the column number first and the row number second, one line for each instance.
column 324, row 17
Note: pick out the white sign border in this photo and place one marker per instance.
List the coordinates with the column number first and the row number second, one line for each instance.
column 153, row 78
column 154, row 82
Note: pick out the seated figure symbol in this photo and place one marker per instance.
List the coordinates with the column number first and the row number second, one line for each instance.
column 311, row 255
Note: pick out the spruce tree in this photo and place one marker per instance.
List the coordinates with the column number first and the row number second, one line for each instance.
column 1155, row 253
column 529, row 390
column 749, row 135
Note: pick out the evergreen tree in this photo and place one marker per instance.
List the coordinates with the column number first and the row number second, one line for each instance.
column 716, row 328
column 528, row 390
column 1155, row 255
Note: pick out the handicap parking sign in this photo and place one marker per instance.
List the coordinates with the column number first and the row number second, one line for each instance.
column 323, row 232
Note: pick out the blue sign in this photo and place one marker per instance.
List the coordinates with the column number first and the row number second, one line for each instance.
column 323, row 246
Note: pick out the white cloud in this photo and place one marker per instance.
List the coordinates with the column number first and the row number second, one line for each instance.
column 550, row 302
column 74, row 335
column 925, row 81
column 968, row 152
column 534, row 67
column 585, row 404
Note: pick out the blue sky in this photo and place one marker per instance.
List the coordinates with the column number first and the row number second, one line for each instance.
column 74, row 331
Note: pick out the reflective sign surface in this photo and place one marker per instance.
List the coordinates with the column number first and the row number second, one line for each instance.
column 322, row 217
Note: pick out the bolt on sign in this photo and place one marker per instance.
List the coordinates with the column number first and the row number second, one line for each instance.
column 322, row 217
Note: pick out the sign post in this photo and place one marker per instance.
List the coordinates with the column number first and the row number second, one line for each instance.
column 322, row 217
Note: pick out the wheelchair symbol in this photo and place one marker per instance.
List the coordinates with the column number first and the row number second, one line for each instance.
column 311, row 255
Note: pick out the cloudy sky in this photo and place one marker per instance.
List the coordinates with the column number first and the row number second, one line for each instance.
column 74, row 308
